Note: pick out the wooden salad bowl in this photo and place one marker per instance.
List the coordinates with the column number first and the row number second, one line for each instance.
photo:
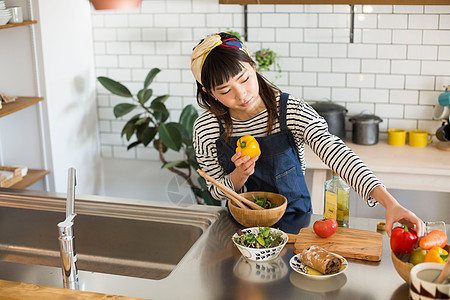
column 403, row 268
column 264, row 217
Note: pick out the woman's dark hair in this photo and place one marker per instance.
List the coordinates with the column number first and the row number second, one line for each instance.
column 221, row 64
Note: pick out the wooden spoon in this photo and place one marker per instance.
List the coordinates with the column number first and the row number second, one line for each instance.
column 444, row 273
column 235, row 197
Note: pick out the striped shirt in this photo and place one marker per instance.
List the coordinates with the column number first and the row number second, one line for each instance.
column 306, row 126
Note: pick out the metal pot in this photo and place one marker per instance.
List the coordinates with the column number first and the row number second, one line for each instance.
column 334, row 114
column 365, row 129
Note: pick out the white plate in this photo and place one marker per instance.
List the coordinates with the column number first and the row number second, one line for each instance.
column 317, row 286
column 300, row 267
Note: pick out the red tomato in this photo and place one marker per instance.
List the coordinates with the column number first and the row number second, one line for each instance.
column 325, row 227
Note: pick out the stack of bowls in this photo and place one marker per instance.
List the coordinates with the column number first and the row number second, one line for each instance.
column 5, row 14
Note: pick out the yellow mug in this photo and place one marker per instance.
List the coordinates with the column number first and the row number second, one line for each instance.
column 396, row 137
column 419, row 138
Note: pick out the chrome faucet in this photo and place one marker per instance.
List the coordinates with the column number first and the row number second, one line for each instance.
column 67, row 238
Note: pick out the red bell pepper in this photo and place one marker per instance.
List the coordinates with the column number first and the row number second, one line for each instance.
column 403, row 240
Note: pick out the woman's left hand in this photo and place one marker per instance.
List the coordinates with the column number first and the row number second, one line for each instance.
column 397, row 213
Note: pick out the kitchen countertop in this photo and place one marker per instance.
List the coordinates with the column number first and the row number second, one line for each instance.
column 214, row 269
column 398, row 167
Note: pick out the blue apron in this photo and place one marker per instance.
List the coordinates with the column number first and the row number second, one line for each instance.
column 278, row 168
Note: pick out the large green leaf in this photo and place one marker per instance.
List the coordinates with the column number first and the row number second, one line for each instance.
column 202, row 182
column 170, row 135
column 130, row 127
column 143, row 121
column 160, row 111
column 115, row 87
column 161, row 116
column 147, row 135
column 161, row 99
column 128, row 130
column 188, row 117
column 158, row 106
column 183, row 131
column 176, row 163
column 144, row 95
column 133, row 144
column 141, row 126
column 122, row 109
column 150, row 76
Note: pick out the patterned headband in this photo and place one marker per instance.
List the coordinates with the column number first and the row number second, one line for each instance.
column 200, row 52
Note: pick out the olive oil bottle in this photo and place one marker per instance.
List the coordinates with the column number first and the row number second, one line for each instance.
column 336, row 202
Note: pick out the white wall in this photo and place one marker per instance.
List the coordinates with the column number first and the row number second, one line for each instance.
column 395, row 68
column 67, row 54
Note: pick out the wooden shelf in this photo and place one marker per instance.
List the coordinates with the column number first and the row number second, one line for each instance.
column 24, row 23
column 20, row 103
column 32, row 176
column 355, row 2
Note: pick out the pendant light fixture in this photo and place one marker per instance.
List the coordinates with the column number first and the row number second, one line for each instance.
column 115, row 4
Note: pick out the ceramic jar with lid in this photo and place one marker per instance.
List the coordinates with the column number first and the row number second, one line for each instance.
column 365, row 129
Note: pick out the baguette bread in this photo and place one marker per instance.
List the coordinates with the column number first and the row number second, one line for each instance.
column 321, row 260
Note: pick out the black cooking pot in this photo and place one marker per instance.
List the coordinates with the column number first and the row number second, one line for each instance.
column 365, row 129
column 334, row 114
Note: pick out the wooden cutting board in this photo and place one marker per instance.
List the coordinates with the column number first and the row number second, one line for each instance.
column 348, row 242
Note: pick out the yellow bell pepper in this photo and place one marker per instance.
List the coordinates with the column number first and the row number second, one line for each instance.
column 437, row 255
column 248, row 145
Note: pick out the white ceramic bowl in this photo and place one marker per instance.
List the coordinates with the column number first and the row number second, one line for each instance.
column 259, row 272
column 4, row 20
column 263, row 254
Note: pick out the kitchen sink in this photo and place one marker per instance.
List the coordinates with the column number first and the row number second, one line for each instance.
column 113, row 238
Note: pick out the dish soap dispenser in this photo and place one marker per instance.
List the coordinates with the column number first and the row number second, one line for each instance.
column 337, row 200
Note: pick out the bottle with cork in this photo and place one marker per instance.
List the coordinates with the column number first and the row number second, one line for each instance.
column 337, row 200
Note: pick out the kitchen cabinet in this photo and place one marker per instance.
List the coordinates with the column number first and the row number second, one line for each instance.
column 355, row 2
column 19, row 104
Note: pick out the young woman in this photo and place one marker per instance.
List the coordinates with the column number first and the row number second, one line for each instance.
column 239, row 101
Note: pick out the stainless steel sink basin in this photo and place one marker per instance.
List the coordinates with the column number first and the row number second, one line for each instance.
column 127, row 240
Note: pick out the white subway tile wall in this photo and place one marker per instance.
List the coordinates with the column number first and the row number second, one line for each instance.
column 396, row 67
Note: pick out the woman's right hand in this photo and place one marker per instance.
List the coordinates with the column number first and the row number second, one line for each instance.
column 245, row 166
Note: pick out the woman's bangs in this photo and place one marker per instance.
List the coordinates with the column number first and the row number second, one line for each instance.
column 220, row 67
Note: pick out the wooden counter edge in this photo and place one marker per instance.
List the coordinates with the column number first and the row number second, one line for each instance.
column 20, row 290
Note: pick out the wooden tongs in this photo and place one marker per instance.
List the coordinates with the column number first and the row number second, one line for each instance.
column 235, row 197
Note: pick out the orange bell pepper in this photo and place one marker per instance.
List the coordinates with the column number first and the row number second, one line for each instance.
column 436, row 238
column 248, row 145
column 437, row 255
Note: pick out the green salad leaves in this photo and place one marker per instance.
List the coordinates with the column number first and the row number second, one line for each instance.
column 262, row 239
column 264, row 202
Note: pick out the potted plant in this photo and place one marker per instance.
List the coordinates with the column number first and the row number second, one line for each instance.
column 150, row 124
column 264, row 57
